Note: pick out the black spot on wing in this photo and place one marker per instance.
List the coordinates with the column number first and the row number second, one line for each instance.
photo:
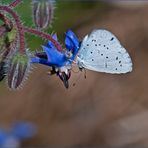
column 112, row 39
column 93, row 40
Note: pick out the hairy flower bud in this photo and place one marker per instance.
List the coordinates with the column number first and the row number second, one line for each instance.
column 3, row 51
column 6, row 43
column 43, row 11
column 3, row 35
column 18, row 69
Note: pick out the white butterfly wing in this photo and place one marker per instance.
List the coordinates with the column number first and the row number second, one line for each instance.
column 101, row 51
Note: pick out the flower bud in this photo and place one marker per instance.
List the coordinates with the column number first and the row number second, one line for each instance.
column 43, row 11
column 6, row 42
column 2, row 52
column 18, row 69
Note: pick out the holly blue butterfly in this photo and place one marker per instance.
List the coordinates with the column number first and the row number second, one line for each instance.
column 101, row 51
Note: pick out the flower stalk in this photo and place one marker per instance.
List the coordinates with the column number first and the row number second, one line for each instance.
column 15, row 3
column 44, row 36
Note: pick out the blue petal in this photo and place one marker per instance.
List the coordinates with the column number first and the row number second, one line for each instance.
column 68, row 43
column 72, row 43
column 55, row 57
column 37, row 60
column 55, row 37
column 71, row 40
column 23, row 130
column 50, row 44
column 3, row 136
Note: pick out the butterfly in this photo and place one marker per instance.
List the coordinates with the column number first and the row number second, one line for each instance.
column 100, row 51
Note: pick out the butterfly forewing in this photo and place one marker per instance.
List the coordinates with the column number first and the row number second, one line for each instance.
column 101, row 51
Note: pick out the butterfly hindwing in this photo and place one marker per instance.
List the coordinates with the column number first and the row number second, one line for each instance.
column 101, row 51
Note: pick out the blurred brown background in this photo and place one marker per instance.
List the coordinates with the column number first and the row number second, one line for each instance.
column 104, row 109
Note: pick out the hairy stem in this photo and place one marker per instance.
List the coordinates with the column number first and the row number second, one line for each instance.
column 3, row 30
column 45, row 36
column 19, row 27
column 15, row 3
column 3, row 18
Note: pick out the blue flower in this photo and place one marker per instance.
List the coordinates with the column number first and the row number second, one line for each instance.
column 52, row 57
column 72, row 43
column 18, row 132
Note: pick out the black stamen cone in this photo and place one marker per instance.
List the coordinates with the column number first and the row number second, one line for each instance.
column 65, row 79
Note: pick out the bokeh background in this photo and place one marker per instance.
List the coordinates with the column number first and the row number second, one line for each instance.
column 102, row 110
